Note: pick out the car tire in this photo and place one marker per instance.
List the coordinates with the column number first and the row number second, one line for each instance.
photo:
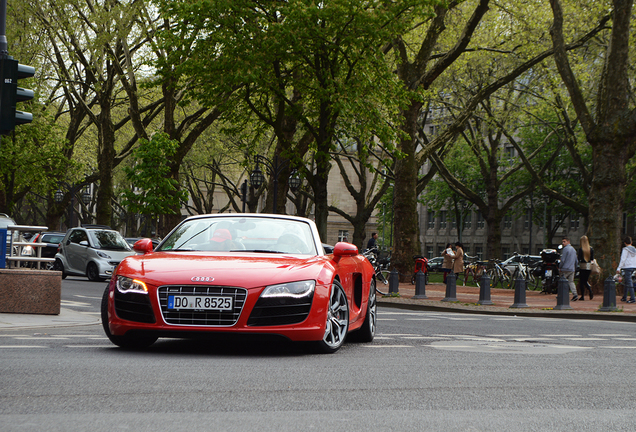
column 337, row 322
column 58, row 266
column 126, row 341
column 92, row 272
column 366, row 333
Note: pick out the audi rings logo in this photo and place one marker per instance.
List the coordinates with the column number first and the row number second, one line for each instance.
column 202, row 279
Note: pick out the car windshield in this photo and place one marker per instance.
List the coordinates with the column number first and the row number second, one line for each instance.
column 242, row 234
column 109, row 240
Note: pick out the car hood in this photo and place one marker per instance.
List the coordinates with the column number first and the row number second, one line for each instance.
column 234, row 269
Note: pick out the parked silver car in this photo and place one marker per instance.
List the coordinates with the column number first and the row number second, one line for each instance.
column 93, row 251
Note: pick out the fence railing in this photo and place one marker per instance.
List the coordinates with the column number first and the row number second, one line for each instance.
column 19, row 252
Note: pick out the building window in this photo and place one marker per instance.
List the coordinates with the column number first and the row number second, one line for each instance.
column 479, row 251
column 574, row 222
column 505, row 252
column 481, row 222
column 468, row 221
column 442, row 219
column 429, row 252
column 343, row 235
column 507, row 222
column 526, row 219
column 431, row 220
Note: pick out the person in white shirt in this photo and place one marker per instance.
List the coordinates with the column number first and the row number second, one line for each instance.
column 628, row 265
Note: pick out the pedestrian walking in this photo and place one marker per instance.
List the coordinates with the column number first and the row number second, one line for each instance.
column 628, row 265
column 567, row 265
column 458, row 262
column 585, row 255
column 447, row 264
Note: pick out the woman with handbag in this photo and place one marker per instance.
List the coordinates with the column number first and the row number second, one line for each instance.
column 585, row 255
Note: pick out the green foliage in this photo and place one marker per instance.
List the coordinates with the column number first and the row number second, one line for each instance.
column 32, row 160
column 153, row 192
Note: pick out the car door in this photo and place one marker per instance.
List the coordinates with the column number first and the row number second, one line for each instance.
column 76, row 253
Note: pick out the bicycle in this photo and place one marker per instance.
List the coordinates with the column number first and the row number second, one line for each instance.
column 522, row 271
column 497, row 273
column 474, row 269
column 380, row 266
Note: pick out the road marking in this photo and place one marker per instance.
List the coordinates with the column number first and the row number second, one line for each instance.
column 508, row 336
column 616, row 347
column 22, row 346
column 625, row 339
column 584, row 339
column 37, row 338
column 68, row 303
column 89, row 346
column 88, row 297
column 559, row 335
column 399, row 334
column 388, row 346
column 423, row 337
column 610, row 335
column 422, row 319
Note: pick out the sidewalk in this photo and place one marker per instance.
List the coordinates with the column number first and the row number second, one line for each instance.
column 539, row 305
column 66, row 318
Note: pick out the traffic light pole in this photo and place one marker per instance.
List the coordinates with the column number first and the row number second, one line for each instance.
column 10, row 72
column 4, row 46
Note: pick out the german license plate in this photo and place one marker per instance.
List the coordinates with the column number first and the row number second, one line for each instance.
column 548, row 273
column 193, row 302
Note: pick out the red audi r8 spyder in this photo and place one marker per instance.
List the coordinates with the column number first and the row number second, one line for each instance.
column 241, row 274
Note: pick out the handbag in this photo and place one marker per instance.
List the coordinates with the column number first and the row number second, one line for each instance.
column 596, row 269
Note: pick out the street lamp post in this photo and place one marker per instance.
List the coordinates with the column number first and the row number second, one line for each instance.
column 73, row 189
column 274, row 168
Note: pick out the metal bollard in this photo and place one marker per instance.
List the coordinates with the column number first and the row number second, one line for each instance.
column 420, row 285
column 563, row 294
column 394, row 282
column 609, row 296
column 484, row 291
column 520, row 294
column 451, row 287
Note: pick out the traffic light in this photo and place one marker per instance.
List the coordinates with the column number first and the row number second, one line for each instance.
column 10, row 72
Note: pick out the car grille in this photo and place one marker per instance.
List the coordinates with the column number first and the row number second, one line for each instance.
column 280, row 311
column 134, row 307
column 202, row 318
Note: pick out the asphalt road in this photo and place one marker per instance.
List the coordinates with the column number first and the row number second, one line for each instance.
column 424, row 371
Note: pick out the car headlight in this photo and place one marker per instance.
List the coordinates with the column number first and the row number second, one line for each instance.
column 128, row 285
column 102, row 254
column 290, row 289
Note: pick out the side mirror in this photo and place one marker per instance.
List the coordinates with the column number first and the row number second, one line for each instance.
column 343, row 249
column 84, row 243
column 143, row 245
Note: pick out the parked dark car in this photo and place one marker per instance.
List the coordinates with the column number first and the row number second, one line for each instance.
column 52, row 240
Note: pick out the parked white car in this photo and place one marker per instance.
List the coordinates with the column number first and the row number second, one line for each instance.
column 93, row 251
